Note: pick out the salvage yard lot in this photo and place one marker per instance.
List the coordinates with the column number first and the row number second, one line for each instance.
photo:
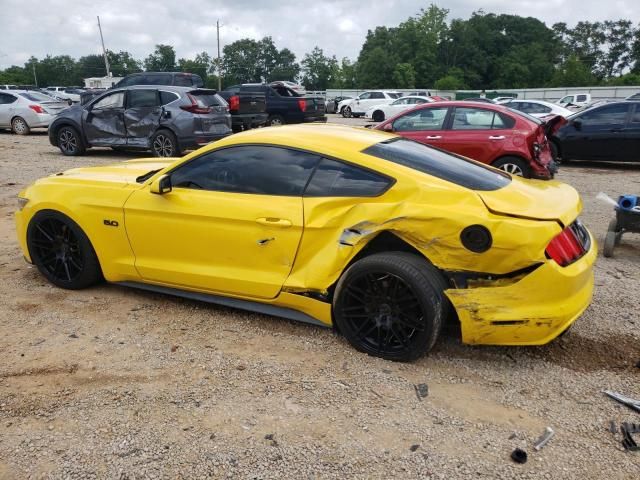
column 111, row 382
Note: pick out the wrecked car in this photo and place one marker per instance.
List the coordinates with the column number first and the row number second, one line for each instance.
column 384, row 238
column 164, row 119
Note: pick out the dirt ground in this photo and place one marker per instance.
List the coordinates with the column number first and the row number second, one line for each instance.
column 112, row 382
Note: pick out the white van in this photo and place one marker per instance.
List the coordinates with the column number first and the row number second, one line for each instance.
column 575, row 100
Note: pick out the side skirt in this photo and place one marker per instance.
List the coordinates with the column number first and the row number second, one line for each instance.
column 258, row 307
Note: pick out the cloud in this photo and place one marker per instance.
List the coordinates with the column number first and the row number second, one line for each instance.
column 339, row 27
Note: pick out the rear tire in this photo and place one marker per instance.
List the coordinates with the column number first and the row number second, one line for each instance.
column 514, row 166
column 164, row 144
column 61, row 251
column 378, row 116
column 69, row 142
column 390, row 305
column 276, row 120
column 19, row 126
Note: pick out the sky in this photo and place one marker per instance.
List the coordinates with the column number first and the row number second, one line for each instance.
column 339, row 27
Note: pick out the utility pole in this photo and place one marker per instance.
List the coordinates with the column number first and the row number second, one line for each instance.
column 219, row 66
column 35, row 79
column 104, row 51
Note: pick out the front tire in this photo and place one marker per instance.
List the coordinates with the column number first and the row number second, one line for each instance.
column 69, row 142
column 19, row 126
column 61, row 251
column 514, row 166
column 390, row 305
column 346, row 112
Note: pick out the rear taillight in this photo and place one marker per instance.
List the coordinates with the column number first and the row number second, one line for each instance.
column 37, row 108
column 234, row 103
column 567, row 247
column 302, row 103
column 195, row 107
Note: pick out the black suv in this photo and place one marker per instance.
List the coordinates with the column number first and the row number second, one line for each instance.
column 178, row 79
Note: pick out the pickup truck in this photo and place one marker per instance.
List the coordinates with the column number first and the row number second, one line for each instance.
column 284, row 105
column 247, row 108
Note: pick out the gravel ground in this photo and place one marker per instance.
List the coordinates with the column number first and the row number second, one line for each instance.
column 116, row 383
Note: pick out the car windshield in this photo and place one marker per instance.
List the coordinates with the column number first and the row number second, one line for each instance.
column 36, row 97
column 440, row 164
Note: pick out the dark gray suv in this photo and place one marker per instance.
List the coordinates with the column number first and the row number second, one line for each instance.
column 164, row 119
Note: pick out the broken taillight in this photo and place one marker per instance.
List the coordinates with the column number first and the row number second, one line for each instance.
column 569, row 245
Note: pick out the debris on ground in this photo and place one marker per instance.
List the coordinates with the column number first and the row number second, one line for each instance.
column 628, row 442
column 519, row 456
column 632, row 403
column 422, row 390
column 544, row 438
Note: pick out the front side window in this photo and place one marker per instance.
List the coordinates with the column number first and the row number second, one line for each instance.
column 567, row 99
column 365, row 96
column 254, row 169
column 142, row 98
column 377, row 95
column 440, row 164
column 605, row 116
column 423, row 119
column 114, row 100
column 337, row 179
column 402, row 101
column 581, row 98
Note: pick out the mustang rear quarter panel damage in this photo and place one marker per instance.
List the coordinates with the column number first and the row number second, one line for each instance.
column 336, row 230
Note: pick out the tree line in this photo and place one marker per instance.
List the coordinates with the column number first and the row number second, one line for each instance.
column 485, row 51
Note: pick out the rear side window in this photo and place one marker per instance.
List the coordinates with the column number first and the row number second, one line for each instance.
column 437, row 163
column 262, row 170
column 476, row 119
column 142, row 98
column 5, row 98
column 337, row 179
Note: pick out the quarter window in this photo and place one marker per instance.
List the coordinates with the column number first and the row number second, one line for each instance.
column 262, row 170
column 337, row 179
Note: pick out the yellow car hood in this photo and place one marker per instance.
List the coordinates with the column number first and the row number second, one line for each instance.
column 122, row 172
column 535, row 199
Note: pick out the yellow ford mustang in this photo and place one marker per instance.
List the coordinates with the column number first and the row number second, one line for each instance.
column 383, row 237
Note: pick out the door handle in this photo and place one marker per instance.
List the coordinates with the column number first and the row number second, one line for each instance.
column 433, row 137
column 497, row 137
column 274, row 222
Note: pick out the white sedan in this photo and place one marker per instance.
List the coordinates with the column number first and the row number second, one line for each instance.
column 357, row 107
column 378, row 113
column 538, row 108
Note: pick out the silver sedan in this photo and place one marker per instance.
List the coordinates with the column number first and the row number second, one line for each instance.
column 22, row 110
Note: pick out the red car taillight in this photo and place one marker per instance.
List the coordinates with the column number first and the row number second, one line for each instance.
column 566, row 247
column 302, row 103
column 195, row 107
column 234, row 103
column 37, row 108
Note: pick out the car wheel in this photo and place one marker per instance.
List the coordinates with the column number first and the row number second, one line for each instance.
column 19, row 126
column 276, row 120
column 514, row 166
column 378, row 116
column 69, row 102
column 390, row 305
column 346, row 112
column 69, row 142
column 61, row 251
column 164, row 144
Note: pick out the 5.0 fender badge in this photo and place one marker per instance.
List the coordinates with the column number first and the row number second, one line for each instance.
column 111, row 223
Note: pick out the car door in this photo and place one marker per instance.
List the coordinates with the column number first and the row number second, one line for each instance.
column 632, row 135
column 424, row 125
column 231, row 223
column 7, row 103
column 477, row 133
column 142, row 116
column 104, row 121
column 375, row 98
column 597, row 133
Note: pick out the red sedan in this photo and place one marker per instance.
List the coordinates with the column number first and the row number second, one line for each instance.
column 507, row 139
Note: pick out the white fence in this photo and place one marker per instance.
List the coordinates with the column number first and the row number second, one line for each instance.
column 550, row 94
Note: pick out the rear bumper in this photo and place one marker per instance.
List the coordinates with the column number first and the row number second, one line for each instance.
column 248, row 120
column 316, row 118
column 532, row 311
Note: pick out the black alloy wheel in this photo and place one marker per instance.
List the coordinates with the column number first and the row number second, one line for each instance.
column 61, row 251
column 69, row 142
column 390, row 305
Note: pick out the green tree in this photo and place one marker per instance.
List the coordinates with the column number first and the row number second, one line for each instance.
column 573, row 73
column 163, row 59
column 404, row 76
column 123, row 63
column 15, row 75
column 319, row 72
column 618, row 36
column 453, row 80
column 201, row 65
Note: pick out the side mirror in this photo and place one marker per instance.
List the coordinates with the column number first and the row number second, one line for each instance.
column 161, row 185
column 577, row 124
column 388, row 128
